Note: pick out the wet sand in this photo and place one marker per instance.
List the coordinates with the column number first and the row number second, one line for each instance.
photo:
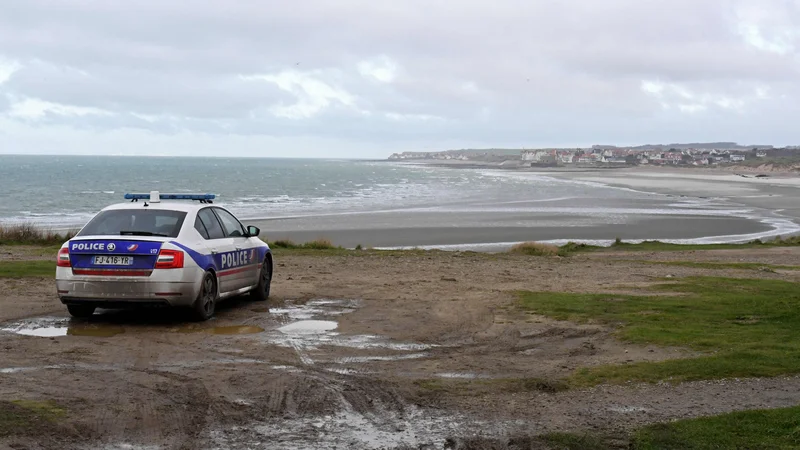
column 498, row 238
column 777, row 192
column 766, row 207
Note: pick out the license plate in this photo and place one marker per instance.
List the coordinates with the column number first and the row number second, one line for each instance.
column 108, row 260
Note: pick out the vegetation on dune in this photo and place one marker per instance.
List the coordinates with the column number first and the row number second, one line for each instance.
column 540, row 249
column 318, row 244
column 32, row 234
column 719, row 265
column 656, row 246
column 535, row 249
column 739, row 327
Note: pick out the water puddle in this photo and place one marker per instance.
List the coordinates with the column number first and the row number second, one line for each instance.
column 308, row 327
column 461, row 376
column 316, row 308
column 364, row 359
column 413, row 428
column 27, row 369
column 55, row 327
column 200, row 363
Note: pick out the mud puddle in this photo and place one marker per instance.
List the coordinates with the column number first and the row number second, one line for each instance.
column 350, row 429
column 309, row 327
column 55, row 327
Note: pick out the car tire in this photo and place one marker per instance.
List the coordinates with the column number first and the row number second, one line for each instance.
column 206, row 301
column 81, row 311
column 261, row 292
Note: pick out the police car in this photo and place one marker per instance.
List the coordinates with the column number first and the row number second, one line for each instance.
column 152, row 253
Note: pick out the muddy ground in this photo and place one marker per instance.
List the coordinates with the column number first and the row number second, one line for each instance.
column 345, row 353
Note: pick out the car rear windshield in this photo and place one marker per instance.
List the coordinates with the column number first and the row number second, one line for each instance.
column 135, row 222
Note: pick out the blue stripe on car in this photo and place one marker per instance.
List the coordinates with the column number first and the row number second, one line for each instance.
column 204, row 261
column 209, row 261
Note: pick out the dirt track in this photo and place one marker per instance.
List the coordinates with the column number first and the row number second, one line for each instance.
column 343, row 353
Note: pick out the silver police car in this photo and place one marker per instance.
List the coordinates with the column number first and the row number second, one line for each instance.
column 152, row 252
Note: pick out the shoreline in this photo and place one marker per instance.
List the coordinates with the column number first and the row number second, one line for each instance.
column 760, row 208
column 773, row 200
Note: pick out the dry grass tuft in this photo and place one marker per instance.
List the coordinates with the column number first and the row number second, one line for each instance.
column 32, row 234
column 535, row 249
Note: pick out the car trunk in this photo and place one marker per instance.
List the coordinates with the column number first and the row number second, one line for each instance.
column 107, row 256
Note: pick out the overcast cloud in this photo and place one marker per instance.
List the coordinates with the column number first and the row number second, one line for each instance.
column 364, row 78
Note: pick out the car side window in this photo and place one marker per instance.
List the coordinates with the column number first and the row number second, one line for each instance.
column 198, row 225
column 210, row 221
column 232, row 226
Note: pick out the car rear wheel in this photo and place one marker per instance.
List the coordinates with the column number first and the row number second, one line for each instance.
column 261, row 292
column 80, row 311
column 205, row 303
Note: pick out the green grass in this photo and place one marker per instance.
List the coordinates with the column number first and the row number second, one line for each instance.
column 25, row 269
column 575, row 441
column 717, row 265
column 761, row 429
column 28, row 416
column 739, row 327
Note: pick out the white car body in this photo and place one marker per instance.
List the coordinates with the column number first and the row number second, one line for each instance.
column 118, row 271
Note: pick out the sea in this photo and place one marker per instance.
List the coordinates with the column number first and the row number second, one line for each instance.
column 62, row 192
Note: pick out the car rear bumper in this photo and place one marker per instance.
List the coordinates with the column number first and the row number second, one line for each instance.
column 123, row 293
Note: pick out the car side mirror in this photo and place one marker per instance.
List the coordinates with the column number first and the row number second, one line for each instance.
column 253, row 231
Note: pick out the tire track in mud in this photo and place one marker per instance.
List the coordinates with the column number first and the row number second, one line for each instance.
column 156, row 406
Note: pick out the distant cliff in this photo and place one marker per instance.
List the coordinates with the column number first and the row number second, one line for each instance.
column 483, row 155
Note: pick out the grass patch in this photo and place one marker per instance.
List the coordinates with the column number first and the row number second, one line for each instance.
column 318, row 244
column 539, row 249
column 19, row 417
column 741, row 327
column 31, row 234
column 575, row 441
column 717, row 265
column 534, row 249
column 25, row 269
column 760, row 429
column 575, row 247
column 658, row 246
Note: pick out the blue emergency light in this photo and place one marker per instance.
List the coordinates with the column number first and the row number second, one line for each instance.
column 156, row 197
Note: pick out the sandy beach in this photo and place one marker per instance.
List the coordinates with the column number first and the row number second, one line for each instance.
column 761, row 208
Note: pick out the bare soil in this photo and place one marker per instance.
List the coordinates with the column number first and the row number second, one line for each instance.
column 357, row 351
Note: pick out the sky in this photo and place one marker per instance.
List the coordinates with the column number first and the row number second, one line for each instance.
column 365, row 78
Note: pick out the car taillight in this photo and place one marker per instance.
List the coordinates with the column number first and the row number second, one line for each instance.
column 63, row 258
column 169, row 259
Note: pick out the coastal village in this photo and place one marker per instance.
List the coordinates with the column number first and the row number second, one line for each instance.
column 603, row 155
